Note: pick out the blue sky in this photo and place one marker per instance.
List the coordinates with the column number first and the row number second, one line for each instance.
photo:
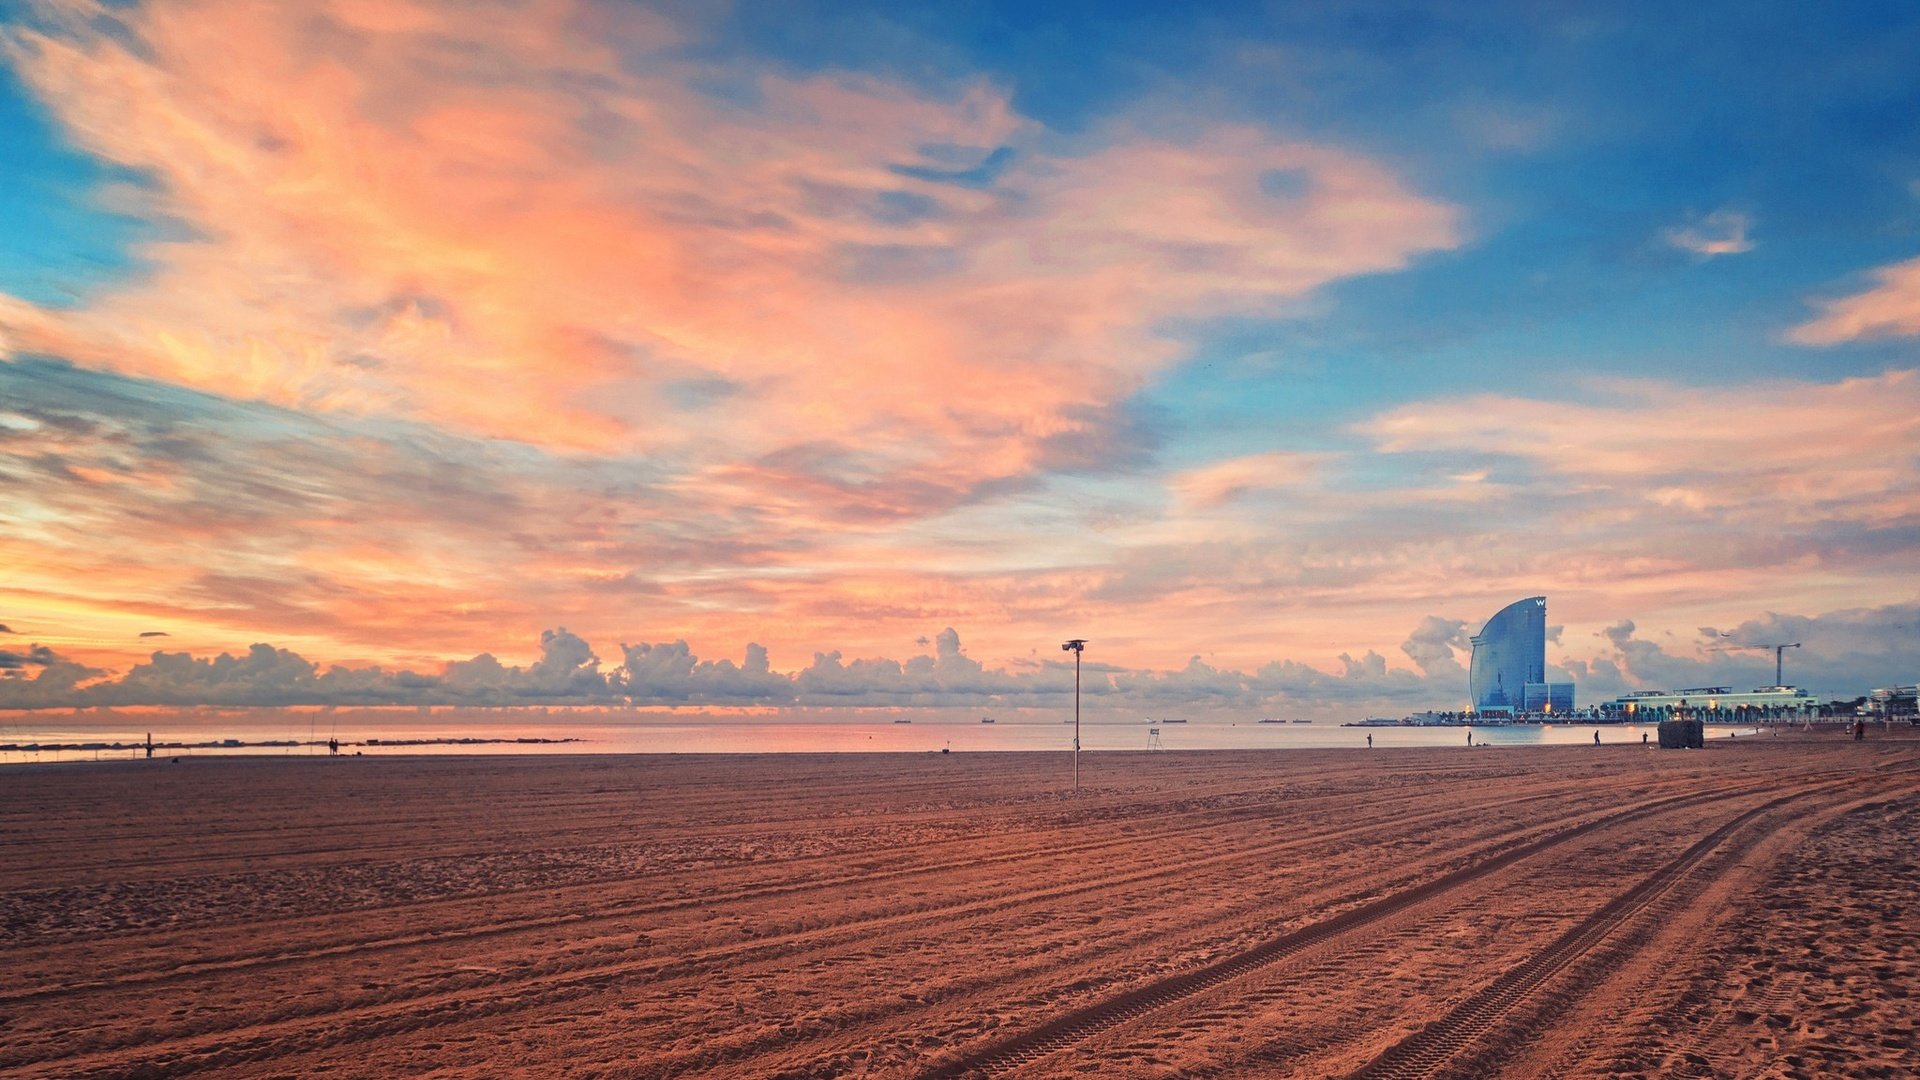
column 55, row 237
column 1574, row 138
column 1258, row 333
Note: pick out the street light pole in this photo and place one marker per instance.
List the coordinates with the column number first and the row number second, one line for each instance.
column 1076, row 646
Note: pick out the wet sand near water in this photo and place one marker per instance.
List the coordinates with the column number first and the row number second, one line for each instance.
column 1743, row 910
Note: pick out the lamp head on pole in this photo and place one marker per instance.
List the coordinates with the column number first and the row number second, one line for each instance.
column 1076, row 645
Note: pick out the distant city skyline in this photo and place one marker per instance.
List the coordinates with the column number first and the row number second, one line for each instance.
column 592, row 344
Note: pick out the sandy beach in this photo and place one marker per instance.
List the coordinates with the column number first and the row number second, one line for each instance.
column 1743, row 910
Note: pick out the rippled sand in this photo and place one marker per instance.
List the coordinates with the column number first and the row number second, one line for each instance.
column 1745, row 910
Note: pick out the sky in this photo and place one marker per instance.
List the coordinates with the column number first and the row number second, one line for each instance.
column 788, row 355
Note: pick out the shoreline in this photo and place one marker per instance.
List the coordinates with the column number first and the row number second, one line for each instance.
column 68, row 745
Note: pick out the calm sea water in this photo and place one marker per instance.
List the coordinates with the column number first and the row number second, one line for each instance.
column 654, row 734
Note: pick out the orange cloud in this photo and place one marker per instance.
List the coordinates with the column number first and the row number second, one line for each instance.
column 535, row 229
column 1782, row 451
column 1220, row 482
column 1890, row 309
column 1723, row 232
column 745, row 364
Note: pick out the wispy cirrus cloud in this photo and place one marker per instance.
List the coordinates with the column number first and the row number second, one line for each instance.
column 547, row 212
column 1220, row 482
column 1649, row 495
column 1891, row 308
column 1782, row 451
column 1723, row 232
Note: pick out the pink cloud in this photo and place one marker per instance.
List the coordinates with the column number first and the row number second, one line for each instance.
column 1890, row 309
column 1780, row 451
column 532, row 228
column 1723, row 232
column 717, row 354
column 1220, row 482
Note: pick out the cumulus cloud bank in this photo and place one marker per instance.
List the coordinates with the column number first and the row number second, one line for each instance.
column 569, row 672
column 1846, row 650
column 1843, row 653
column 1433, row 643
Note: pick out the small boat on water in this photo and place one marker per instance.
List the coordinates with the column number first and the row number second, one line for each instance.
column 903, row 721
column 986, row 719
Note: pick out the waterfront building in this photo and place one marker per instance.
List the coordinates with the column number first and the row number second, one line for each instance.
column 1509, row 669
column 1719, row 702
column 1891, row 701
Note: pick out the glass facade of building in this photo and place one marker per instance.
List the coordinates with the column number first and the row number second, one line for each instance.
column 1548, row 697
column 1508, row 653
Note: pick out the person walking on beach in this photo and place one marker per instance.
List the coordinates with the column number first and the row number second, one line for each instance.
column 1596, row 736
column 1469, row 736
column 1369, row 740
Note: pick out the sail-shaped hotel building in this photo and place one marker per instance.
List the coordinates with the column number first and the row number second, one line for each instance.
column 1509, row 671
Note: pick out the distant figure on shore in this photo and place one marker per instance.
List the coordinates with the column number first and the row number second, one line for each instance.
column 1859, row 730
column 1596, row 736
column 1643, row 738
column 149, row 746
column 1369, row 740
column 1469, row 736
column 333, row 747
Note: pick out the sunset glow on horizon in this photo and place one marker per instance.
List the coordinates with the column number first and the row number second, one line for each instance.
column 557, row 345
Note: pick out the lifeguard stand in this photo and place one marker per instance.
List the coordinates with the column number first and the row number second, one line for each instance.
column 1153, row 739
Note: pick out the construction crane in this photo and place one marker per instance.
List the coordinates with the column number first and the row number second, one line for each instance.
column 1778, row 652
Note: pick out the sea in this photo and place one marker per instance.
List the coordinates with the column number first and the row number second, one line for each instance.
column 27, row 737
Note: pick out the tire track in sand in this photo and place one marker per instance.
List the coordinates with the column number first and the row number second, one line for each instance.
column 527, row 989
column 1439, row 1046
column 1041, row 844
column 1079, row 1025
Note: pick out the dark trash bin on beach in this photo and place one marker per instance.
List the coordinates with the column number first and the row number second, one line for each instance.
column 1682, row 734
